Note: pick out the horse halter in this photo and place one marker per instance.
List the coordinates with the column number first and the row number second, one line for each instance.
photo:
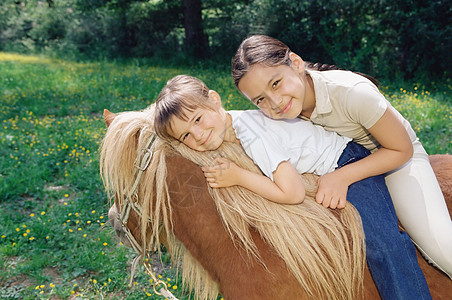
column 131, row 202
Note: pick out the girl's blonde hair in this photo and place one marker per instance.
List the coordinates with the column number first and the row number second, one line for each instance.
column 182, row 93
column 323, row 249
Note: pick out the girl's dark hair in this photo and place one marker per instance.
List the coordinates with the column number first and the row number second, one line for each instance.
column 262, row 49
column 324, row 67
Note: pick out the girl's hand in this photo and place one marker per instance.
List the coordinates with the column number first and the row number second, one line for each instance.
column 222, row 175
column 332, row 191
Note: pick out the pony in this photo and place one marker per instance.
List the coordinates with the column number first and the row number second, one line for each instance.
column 231, row 241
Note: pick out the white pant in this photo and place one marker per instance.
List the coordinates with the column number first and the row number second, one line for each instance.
column 422, row 210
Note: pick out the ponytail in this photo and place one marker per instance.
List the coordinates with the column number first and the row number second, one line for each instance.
column 326, row 67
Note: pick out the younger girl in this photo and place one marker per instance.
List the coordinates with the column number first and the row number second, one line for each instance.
column 186, row 110
column 279, row 83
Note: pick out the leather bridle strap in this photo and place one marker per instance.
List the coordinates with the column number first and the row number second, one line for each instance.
column 131, row 202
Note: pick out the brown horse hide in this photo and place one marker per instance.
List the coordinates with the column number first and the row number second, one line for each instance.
column 199, row 227
column 442, row 165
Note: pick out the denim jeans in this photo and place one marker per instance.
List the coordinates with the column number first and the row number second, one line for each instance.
column 391, row 255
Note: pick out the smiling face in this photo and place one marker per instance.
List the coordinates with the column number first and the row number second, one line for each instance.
column 203, row 130
column 281, row 92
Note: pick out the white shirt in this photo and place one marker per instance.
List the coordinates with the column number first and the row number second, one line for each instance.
column 308, row 147
column 350, row 104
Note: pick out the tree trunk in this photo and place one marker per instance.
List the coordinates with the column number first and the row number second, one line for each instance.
column 195, row 39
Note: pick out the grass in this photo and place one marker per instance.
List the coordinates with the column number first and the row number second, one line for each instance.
column 55, row 241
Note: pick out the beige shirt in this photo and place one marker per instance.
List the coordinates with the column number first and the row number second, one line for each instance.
column 350, row 104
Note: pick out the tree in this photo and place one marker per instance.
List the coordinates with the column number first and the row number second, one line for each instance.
column 195, row 39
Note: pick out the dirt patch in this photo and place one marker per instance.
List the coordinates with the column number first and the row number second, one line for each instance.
column 54, row 274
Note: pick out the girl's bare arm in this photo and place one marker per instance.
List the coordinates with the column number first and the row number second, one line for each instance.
column 287, row 187
column 396, row 149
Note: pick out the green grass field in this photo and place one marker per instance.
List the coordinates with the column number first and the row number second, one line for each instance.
column 55, row 239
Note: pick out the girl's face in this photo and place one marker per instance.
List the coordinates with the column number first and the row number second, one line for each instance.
column 204, row 129
column 279, row 91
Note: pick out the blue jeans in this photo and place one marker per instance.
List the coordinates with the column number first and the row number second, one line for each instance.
column 391, row 256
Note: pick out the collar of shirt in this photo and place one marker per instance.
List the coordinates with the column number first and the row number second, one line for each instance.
column 322, row 98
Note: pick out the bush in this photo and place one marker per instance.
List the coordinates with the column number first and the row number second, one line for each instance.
column 392, row 39
column 385, row 38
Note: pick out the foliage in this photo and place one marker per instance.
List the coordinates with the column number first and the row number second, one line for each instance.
column 156, row 28
column 389, row 39
column 55, row 241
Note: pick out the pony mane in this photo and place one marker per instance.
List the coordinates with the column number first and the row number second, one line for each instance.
column 323, row 248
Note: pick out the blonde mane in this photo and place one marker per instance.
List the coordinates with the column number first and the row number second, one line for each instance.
column 322, row 248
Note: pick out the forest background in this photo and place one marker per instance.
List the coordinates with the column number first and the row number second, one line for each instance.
column 63, row 61
column 388, row 39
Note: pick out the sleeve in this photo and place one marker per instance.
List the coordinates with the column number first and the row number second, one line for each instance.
column 365, row 104
column 262, row 145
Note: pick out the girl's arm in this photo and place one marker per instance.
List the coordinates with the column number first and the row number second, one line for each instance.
column 396, row 149
column 287, row 187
